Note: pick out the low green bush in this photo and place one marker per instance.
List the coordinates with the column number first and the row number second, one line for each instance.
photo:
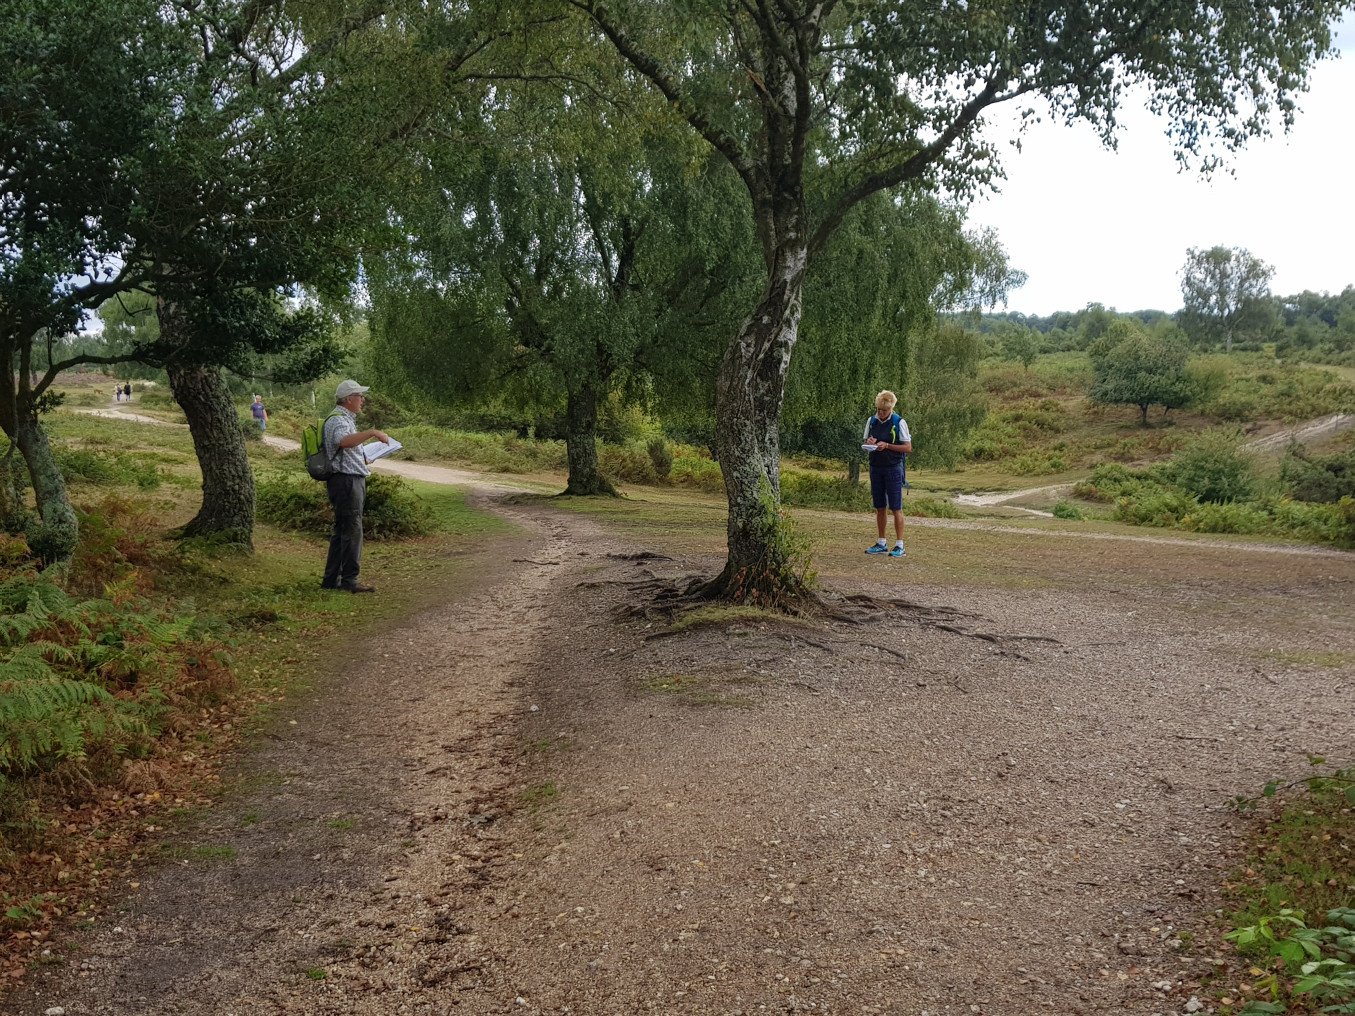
column 627, row 463
column 1219, row 517
column 928, row 507
column 661, row 458
column 1161, row 508
column 1324, row 478
column 1068, row 510
column 1212, row 467
column 1038, row 463
column 701, row 472
column 1287, row 392
column 803, row 489
column 500, row 453
column 106, row 469
column 1148, row 497
column 391, row 511
column 99, row 675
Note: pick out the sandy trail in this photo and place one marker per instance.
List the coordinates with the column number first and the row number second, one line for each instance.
column 519, row 801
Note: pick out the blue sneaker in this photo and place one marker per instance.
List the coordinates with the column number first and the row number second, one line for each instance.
column 898, row 551
column 877, row 548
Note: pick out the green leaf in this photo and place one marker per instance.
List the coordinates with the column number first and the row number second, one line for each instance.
column 1350, row 794
column 1292, row 952
column 1270, row 788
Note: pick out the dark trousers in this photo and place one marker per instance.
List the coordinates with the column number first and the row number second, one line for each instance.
column 346, row 496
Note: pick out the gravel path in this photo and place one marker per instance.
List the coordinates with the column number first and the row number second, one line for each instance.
column 521, row 802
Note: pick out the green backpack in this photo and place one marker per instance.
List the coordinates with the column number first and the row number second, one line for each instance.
column 318, row 463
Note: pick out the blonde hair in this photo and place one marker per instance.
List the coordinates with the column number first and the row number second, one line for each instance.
column 886, row 399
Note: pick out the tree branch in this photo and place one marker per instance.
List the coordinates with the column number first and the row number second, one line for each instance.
column 649, row 67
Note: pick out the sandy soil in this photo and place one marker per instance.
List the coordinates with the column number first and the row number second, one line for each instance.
column 527, row 800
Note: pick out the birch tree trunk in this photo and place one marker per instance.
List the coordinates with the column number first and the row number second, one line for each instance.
column 751, row 385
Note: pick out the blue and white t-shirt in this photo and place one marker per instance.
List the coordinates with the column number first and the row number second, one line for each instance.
column 891, row 431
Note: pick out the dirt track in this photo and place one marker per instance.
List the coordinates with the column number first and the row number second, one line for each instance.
column 518, row 802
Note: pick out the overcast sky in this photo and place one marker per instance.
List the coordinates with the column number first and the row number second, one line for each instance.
column 1089, row 225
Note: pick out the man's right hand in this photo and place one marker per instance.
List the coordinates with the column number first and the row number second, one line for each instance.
column 380, row 435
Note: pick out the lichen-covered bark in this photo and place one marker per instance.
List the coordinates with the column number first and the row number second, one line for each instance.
column 227, row 480
column 748, row 417
column 227, row 508
column 53, row 534
column 581, row 423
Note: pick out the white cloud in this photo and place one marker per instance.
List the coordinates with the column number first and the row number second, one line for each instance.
column 1091, row 225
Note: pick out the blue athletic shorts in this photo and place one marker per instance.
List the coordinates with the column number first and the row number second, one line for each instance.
column 886, row 487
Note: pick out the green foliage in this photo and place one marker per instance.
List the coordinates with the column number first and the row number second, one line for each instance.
column 1212, row 467
column 504, row 453
column 1299, row 866
column 1041, row 463
column 1225, row 296
column 1323, row 478
column 76, row 674
column 1266, row 391
column 391, row 510
column 629, row 463
column 1020, row 344
column 943, row 399
column 1068, row 510
column 107, row 469
column 1134, row 368
column 1151, row 497
column 661, row 458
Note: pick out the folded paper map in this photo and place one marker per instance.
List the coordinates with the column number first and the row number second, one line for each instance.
column 374, row 450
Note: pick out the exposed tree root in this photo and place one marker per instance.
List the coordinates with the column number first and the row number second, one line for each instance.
column 665, row 600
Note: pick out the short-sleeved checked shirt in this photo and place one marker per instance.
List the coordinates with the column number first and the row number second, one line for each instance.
column 338, row 426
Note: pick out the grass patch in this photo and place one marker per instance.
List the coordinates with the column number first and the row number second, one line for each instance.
column 701, row 689
column 340, row 824
column 539, row 795
column 718, row 616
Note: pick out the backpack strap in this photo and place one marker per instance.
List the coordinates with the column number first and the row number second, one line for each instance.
column 323, row 424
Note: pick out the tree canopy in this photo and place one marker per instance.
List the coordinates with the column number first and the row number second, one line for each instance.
column 1135, row 368
column 1225, row 295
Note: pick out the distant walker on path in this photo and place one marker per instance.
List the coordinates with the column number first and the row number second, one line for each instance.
column 260, row 414
column 347, row 487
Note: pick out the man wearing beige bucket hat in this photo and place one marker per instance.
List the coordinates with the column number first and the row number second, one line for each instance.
column 347, row 487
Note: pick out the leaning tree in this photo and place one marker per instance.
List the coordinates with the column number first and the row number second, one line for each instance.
column 819, row 105
column 216, row 157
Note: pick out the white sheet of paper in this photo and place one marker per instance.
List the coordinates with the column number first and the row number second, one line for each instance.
column 374, row 450
column 869, row 447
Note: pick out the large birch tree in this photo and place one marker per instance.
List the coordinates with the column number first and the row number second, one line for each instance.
column 819, row 105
